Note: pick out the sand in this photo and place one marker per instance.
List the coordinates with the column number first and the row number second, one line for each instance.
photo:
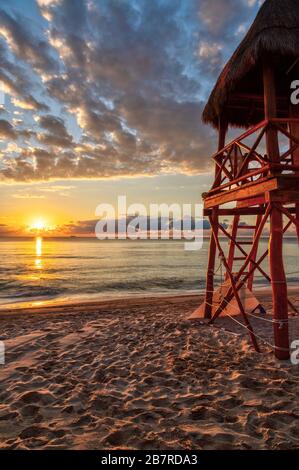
column 135, row 374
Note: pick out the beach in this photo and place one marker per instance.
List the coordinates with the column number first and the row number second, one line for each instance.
column 137, row 374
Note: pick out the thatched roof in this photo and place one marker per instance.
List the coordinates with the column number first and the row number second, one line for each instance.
column 273, row 35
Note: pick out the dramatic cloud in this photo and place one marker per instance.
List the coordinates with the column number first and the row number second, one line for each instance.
column 88, row 227
column 106, row 88
column 28, row 47
column 57, row 134
column 7, row 130
column 6, row 231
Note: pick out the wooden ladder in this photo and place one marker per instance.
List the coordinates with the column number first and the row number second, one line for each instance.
column 237, row 252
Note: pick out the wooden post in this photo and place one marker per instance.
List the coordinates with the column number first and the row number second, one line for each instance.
column 212, row 248
column 278, row 278
column 254, row 255
column 228, row 297
column 235, row 290
column 279, row 285
column 294, row 131
column 270, row 113
column 232, row 246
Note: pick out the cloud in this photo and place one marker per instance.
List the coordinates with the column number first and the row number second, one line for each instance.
column 113, row 88
column 220, row 17
column 88, row 227
column 27, row 196
column 44, row 192
column 6, row 130
column 28, row 47
column 56, row 134
column 57, row 189
column 15, row 80
column 7, row 231
column 211, row 54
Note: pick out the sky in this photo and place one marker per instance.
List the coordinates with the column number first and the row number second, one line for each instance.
column 102, row 98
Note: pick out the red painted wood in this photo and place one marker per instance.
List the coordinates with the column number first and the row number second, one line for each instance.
column 233, row 287
column 279, row 285
column 297, row 218
column 278, row 278
column 244, row 252
column 294, row 130
column 234, row 165
column 243, row 211
column 239, row 180
column 240, row 282
column 213, row 249
column 270, row 113
column 232, row 246
column 210, row 272
column 246, row 134
column 254, row 255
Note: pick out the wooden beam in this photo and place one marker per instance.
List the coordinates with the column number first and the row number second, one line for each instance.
column 235, row 291
column 240, row 179
column 259, row 98
column 294, row 131
column 286, row 211
column 213, row 248
column 246, row 134
column 278, row 278
column 229, row 212
column 294, row 124
column 254, row 255
column 252, row 151
column 243, row 192
column 279, row 284
column 228, row 297
column 270, row 112
column 251, row 201
column 283, row 196
column 234, row 241
column 232, row 246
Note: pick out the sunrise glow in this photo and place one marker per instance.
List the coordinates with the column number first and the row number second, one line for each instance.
column 38, row 225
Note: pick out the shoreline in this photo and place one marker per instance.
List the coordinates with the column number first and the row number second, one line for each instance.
column 67, row 306
column 63, row 305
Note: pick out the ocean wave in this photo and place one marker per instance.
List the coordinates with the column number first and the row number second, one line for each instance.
column 25, row 292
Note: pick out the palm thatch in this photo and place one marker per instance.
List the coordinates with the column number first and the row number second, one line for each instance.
column 274, row 36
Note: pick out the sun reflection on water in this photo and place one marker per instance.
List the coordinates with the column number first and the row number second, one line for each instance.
column 38, row 252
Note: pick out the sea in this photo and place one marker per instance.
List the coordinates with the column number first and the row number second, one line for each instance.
column 71, row 269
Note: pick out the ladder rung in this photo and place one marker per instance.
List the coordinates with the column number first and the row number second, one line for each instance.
column 240, row 258
column 245, row 243
column 246, row 227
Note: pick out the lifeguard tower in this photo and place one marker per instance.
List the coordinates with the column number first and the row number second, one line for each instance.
column 257, row 174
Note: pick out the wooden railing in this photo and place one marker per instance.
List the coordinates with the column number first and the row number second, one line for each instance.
column 240, row 162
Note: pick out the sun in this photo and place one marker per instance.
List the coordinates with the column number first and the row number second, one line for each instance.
column 39, row 225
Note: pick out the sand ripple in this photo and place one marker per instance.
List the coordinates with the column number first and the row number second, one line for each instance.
column 141, row 377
